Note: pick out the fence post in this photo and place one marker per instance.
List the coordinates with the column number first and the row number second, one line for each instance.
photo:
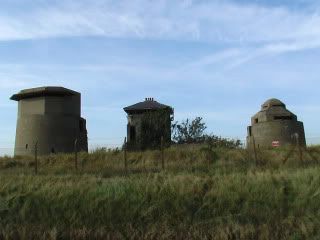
column 255, row 150
column 76, row 154
column 125, row 155
column 289, row 154
column 36, row 158
column 162, row 153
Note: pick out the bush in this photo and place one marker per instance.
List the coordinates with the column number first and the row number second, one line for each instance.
column 188, row 131
column 193, row 131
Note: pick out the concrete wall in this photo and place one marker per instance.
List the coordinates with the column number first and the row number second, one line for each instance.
column 53, row 122
column 59, row 105
column 31, row 106
column 283, row 130
column 150, row 138
column 272, row 113
column 134, row 120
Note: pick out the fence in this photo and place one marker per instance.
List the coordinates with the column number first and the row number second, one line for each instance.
column 7, row 147
column 110, row 160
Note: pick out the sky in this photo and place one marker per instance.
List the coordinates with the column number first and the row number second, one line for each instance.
column 217, row 59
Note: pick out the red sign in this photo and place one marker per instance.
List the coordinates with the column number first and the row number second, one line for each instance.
column 275, row 144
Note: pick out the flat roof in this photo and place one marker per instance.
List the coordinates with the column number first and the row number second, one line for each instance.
column 43, row 92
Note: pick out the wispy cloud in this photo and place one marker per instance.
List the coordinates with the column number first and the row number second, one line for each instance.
column 220, row 21
column 227, row 59
column 258, row 31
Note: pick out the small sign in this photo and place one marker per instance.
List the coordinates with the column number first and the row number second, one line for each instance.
column 276, row 144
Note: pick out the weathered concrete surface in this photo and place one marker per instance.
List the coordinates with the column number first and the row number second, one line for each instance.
column 148, row 121
column 274, row 123
column 50, row 116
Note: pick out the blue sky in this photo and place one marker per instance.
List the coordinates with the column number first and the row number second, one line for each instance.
column 218, row 59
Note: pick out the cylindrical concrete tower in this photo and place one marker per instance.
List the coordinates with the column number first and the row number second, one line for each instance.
column 275, row 126
column 51, row 117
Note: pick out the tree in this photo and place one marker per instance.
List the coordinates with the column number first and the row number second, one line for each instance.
column 193, row 131
column 188, row 131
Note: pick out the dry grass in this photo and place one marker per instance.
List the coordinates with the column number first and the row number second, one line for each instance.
column 201, row 194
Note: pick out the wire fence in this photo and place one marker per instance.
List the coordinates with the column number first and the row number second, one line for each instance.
column 7, row 148
column 117, row 158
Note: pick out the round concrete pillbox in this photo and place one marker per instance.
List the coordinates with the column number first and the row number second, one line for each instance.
column 275, row 126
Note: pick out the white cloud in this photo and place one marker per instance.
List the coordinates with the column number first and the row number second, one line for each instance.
column 261, row 30
column 228, row 59
column 162, row 19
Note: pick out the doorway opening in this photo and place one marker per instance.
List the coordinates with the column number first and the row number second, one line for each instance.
column 132, row 133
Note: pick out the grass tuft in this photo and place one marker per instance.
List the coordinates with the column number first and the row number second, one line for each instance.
column 202, row 193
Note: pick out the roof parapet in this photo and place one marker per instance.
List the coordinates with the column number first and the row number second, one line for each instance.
column 43, row 92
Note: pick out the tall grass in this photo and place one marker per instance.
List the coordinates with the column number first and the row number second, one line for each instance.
column 201, row 194
column 185, row 158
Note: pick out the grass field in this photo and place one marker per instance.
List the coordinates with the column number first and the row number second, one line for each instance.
column 201, row 194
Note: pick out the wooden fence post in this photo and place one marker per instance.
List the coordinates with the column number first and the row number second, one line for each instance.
column 289, row 154
column 125, row 155
column 76, row 154
column 162, row 153
column 36, row 158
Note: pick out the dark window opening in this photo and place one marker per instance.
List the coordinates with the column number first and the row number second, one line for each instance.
column 27, row 146
column 282, row 118
column 256, row 120
column 52, row 150
column 81, row 126
column 132, row 133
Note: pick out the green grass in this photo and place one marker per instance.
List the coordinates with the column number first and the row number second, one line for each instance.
column 201, row 194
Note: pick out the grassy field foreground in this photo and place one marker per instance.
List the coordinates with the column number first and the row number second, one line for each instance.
column 201, row 194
